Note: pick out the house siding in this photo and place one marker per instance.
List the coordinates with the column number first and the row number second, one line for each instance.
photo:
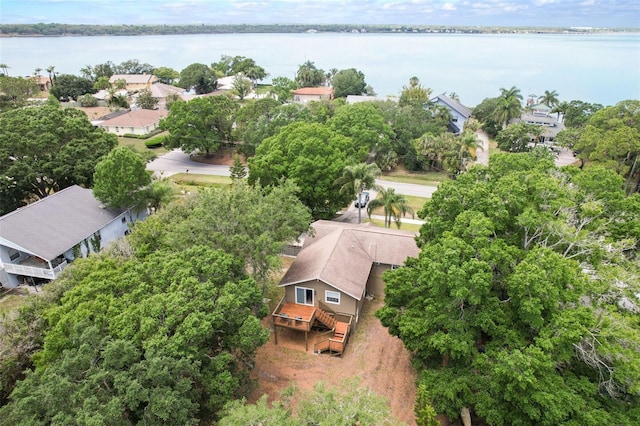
column 375, row 284
column 348, row 305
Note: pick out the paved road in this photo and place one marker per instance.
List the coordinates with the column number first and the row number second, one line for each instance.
column 177, row 161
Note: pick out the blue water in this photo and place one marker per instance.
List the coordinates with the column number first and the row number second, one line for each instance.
column 603, row 68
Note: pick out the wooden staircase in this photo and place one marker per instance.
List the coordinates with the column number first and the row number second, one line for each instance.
column 325, row 318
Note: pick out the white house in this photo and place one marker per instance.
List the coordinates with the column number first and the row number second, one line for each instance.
column 137, row 122
column 308, row 94
column 38, row 240
column 459, row 113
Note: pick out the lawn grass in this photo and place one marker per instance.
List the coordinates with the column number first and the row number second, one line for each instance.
column 263, row 89
column 139, row 144
column 195, row 180
column 418, row 178
column 412, row 227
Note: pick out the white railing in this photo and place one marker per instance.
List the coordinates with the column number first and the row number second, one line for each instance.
column 32, row 271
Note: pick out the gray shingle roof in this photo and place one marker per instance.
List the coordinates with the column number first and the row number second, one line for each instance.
column 53, row 225
column 453, row 104
column 342, row 255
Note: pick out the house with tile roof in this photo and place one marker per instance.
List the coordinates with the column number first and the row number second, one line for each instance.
column 308, row 94
column 339, row 266
column 136, row 122
column 459, row 113
column 37, row 241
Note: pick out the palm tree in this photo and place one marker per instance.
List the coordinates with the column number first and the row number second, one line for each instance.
column 395, row 206
column 550, row 98
column 357, row 178
column 52, row 73
column 507, row 109
column 513, row 92
column 5, row 69
column 561, row 108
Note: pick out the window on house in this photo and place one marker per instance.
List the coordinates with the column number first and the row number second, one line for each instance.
column 124, row 219
column 304, row 296
column 332, row 297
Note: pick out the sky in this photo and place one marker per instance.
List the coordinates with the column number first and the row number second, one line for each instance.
column 539, row 13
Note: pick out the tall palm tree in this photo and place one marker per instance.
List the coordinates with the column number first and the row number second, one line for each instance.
column 357, row 178
column 395, row 206
column 52, row 73
column 550, row 98
column 513, row 92
column 561, row 108
column 5, row 69
column 507, row 109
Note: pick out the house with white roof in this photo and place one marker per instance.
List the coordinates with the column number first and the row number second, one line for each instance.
column 39, row 240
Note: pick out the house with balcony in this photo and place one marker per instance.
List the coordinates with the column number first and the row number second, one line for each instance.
column 308, row 94
column 459, row 113
column 39, row 240
column 339, row 267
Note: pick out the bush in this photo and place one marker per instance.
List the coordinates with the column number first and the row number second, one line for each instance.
column 88, row 100
column 154, row 142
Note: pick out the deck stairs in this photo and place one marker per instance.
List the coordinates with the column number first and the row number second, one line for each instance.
column 326, row 319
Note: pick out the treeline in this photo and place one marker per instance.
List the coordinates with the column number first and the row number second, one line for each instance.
column 57, row 29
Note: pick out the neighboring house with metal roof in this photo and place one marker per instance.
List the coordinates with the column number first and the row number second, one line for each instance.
column 459, row 113
column 541, row 116
column 308, row 94
column 137, row 122
column 38, row 240
column 135, row 82
column 339, row 265
column 354, row 99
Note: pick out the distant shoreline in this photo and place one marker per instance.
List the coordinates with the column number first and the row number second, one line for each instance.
column 82, row 30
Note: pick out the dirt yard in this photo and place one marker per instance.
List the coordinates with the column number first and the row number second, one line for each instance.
column 378, row 359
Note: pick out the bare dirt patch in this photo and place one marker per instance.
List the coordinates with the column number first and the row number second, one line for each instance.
column 378, row 359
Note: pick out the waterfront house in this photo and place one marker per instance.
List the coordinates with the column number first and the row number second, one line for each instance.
column 308, row 94
column 459, row 113
column 38, row 240
column 339, row 266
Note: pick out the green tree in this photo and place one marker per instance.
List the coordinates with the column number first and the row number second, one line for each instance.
column 282, row 88
column 15, row 91
column 485, row 114
column 310, row 155
column 498, row 307
column 516, row 137
column 198, row 77
column 395, row 206
column 365, row 125
column 88, row 101
column 166, row 75
column 577, row 113
column 508, row 106
column 241, row 86
column 201, row 124
column 133, row 66
column 102, row 83
column 550, row 98
column 68, row 86
column 46, row 149
column 414, row 93
column 237, row 170
column 146, row 100
column 94, row 73
column 119, row 178
column 357, row 178
column 348, row 82
column 309, row 75
column 239, row 412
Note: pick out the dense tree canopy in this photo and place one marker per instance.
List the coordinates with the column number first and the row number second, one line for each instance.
column 14, row 91
column 312, row 156
column 198, row 77
column 348, row 82
column 120, row 177
column 45, row 149
column 69, row 86
column 202, row 124
column 521, row 303
column 415, row 93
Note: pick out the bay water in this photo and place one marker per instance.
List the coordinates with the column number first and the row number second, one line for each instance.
column 600, row 68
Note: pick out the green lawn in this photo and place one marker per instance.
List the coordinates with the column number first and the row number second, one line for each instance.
column 419, row 178
column 139, row 144
column 11, row 302
column 195, row 180
column 403, row 225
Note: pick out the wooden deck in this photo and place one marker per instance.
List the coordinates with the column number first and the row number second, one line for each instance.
column 297, row 317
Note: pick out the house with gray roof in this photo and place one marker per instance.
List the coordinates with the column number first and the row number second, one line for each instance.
column 339, row 266
column 37, row 241
column 459, row 113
